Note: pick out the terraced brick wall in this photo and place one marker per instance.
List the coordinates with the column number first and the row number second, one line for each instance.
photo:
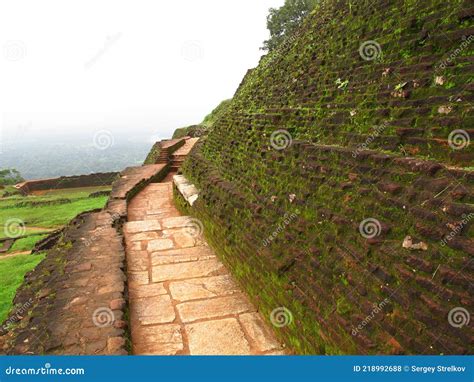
column 91, row 180
column 337, row 185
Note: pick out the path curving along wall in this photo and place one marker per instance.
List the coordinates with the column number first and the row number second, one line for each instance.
column 75, row 301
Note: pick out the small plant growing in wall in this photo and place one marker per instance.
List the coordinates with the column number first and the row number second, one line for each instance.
column 342, row 84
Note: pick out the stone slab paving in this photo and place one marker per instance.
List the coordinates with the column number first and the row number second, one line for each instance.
column 183, row 301
column 186, row 148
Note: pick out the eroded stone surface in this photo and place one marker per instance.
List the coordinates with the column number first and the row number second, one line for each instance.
column 205, row 287
column 262, row 337
column 142, row 226
column 212, row 308
column 177, row 222
column 154, row 310
column 217, row 337
column 186, row 270
column 148, row 290
column 160, row 245
column 157, row 340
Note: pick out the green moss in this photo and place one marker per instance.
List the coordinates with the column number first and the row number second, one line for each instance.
column 331, row 101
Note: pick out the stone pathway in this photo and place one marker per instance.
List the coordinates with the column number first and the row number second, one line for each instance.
column 182, row 298
column 73, row 302
column 186, row 148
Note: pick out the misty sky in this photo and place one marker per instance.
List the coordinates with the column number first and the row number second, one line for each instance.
column 146, row 67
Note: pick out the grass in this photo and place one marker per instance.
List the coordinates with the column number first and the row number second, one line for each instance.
column 42, row 212
column 49, row 210
column 7, row 189
column 12, row 273
column 26, row 244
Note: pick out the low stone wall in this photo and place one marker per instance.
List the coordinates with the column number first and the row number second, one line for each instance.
column 91, row 180
column 188, row 190
column 74, row 302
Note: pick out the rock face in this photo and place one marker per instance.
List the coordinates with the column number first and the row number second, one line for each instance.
column 315, row 175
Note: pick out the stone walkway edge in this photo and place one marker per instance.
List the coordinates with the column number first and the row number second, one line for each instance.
column 76, row 297
column 183, row 301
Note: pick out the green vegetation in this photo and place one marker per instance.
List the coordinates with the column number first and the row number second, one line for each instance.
column 191, row 131
column 204, row 126
column 332, row 97
column 214, row 115
column 283, row 21
column 10, row 176
column 12, row 273
column 49, row 210
column 40, row 213
column 26, row 244
column 8, row 191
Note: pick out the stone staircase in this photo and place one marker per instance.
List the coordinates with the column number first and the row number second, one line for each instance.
column 174, row 152
column 178, row 157
column 167, row 148
column 164, row 156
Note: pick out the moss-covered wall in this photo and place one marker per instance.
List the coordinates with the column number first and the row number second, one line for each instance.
column 369, row 140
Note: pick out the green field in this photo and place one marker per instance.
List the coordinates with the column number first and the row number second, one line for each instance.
column 38, row 215
column 50, row 210
column 25, row 244
column 12, row 272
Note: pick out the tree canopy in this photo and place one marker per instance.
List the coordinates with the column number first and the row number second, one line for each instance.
column 281, row 22
column 10, row 176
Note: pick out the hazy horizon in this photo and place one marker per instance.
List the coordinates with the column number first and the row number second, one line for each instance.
column 116, row 70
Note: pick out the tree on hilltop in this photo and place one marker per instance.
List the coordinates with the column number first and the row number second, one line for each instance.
column 281, row 22
column 10, row 176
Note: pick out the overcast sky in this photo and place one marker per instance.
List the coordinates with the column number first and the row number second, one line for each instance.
column 147, row 66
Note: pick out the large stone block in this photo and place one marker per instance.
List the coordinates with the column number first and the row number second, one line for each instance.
column 186, row 270
column 214, row 308
column 227, row 338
